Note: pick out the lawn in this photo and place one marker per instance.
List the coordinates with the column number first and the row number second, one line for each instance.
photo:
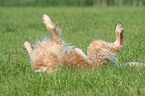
column 81, row 25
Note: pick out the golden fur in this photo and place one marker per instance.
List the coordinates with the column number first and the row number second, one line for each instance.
column 50, row 54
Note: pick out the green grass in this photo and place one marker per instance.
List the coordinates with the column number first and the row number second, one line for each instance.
column 81, row 26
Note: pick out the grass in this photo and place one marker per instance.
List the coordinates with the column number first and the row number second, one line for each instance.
column 81, row 26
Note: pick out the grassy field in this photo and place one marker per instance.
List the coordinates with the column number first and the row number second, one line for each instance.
column 81, row 26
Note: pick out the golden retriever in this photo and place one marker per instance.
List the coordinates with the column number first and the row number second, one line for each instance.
column 52, row 53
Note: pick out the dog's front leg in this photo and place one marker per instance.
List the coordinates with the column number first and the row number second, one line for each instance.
column 51, row 27
column 28, row 47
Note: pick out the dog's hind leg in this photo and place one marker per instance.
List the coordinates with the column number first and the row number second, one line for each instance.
column 118, row 45
column 52, row 28
column 119, row 34
column 79, row 51
column 101, row 52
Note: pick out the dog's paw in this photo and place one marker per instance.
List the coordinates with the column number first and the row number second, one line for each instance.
column 119, row 28
column 46, row 18
column 48, row 22
column 27, row 44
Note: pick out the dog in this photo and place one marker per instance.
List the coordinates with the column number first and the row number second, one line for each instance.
column 52, row 53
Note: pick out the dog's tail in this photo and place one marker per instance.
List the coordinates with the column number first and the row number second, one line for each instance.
column 52, row 28
column 133, row 64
